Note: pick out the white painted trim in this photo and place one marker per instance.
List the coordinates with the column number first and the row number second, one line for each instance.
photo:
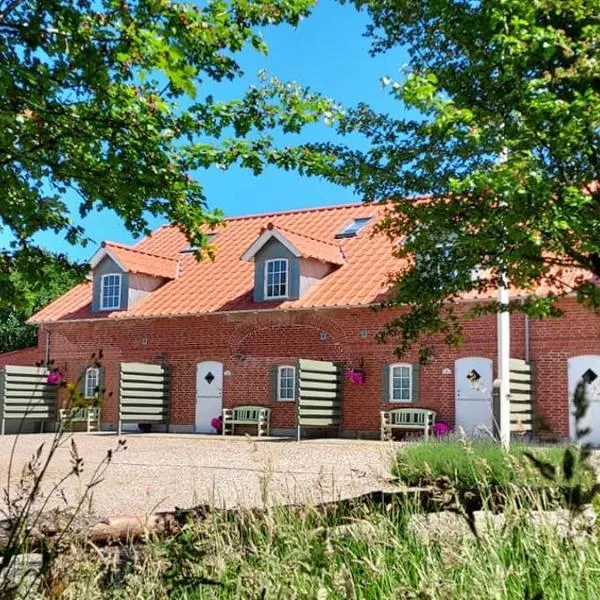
column 279, row 369
column 85, row 383
column 287, row 279
column 100, row 254
column 120, row 276
column 410, row 382
column 267, row 235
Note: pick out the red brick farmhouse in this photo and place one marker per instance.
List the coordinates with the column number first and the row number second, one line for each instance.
column 283, row 287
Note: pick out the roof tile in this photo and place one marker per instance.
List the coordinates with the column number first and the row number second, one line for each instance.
column 139, row 261
column 226, row 283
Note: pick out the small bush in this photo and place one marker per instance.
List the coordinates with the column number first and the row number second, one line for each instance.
column 468, row 466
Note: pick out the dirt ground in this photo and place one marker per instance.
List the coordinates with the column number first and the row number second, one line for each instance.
column 162, row 471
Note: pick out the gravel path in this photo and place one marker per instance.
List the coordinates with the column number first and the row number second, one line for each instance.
column 161, row 471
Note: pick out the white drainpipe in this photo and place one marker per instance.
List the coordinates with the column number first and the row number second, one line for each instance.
column 504, row 361
column 47, row 350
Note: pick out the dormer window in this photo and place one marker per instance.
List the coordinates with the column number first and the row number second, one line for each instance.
column 352, row 229
column 110, row 292
column 276, row 278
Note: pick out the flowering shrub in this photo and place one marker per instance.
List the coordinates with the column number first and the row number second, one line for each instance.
column 54, row 377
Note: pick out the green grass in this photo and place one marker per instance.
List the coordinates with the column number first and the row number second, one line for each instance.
column 284, row 555
column 378, row 553
column 470, row 465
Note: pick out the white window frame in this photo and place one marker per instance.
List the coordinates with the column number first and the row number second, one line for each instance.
column 103, row 283
column 93, row 393
column 410, row 382
column 287, row 279
column 357, row 224
column 280, row 368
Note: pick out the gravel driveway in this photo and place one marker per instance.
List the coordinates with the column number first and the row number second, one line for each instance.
column 161, row 471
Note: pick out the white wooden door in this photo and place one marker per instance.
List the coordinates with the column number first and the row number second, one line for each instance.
column 587, row 368
column 473, row 380
column 209, row 394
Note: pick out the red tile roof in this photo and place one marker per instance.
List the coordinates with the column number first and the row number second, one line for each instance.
column 305, row 245
column 135, row 260
column 226, row 284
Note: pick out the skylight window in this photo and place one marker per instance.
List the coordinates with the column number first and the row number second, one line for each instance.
column 352, row 229
column 192, row 249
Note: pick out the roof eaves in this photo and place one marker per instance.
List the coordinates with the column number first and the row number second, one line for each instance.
column 269, row 233
column 102, row 252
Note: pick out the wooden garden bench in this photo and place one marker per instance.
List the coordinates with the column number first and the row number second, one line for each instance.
column 89, row 416
column 407, row 419
column 247, row 415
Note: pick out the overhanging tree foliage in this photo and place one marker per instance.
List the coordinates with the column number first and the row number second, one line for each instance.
column 503, row 138
column 107, row 100
column 54, row 276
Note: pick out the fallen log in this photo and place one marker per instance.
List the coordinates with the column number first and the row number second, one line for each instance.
column 124, row 529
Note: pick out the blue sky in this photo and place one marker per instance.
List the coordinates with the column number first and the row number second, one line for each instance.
column 327, row 52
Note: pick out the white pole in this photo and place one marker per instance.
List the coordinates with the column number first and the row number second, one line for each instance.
column 504, row 361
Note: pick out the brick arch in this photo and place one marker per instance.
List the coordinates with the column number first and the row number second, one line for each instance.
column 323, row 323
column 291, row 340
column 312, row 324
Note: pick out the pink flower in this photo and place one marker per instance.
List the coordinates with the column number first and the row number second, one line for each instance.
column 441, row 429
column 217, row 424
column 356, row 376
column 54, row 378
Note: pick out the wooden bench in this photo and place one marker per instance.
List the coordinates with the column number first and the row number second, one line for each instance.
column 247, row 415
column 407, row 419
column 89, row 416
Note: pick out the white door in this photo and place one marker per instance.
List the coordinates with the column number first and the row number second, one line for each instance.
column 473, row 380
column 587, row 368
column 209, row 394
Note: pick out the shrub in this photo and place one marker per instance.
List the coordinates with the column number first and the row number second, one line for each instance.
column 471, row 465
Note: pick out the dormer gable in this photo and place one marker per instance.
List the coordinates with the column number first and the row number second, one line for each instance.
column 122, row 276
column 287, row 263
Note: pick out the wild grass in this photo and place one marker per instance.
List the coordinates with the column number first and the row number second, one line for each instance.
column 467, row 466
column 368, row 554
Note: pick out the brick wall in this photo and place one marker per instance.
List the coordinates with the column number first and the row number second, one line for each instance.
column 249, row 343
column 26, row 356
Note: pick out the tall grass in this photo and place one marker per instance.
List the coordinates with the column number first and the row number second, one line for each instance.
column 468, row 465
column 292, row 554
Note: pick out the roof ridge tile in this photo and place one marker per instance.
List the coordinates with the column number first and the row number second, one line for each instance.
column 302, row 210
column 132, row 249
column 308, row 237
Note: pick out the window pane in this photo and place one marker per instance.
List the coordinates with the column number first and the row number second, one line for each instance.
column 286, row 383
column 276, row 281
column 91, row 383
column 401, row 383
column 111, row 291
